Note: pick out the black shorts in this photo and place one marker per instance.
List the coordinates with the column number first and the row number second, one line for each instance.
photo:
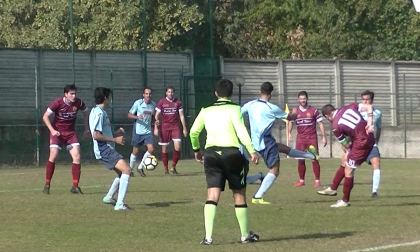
column 225, row 163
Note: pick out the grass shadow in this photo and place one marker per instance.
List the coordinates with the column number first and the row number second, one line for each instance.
column 130, row 191
column 189, row 174
column 165, row 204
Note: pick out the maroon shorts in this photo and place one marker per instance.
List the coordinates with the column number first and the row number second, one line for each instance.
column 303, row 144
column 69, row 139
column 357, row 155
column 167, row 134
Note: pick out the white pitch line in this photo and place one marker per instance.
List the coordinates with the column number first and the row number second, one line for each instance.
column 40, row 189
column 387, row 246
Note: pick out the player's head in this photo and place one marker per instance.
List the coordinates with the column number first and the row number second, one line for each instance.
column 367, row 97
column 102, row 95
column 224, row 88
column 328, row 111
column 266, row 90
column 169, row 92
column 303, row 98
column 70, row 92
column 147, row 94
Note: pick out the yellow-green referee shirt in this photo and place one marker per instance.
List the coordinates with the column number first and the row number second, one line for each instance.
column 224, row 125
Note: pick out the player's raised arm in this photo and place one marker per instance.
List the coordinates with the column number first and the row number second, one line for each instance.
column 369, row 109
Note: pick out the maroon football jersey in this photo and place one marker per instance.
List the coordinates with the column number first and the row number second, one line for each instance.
column 306, row 122
column 349, row 122
column 65, row 114
column 170, row 112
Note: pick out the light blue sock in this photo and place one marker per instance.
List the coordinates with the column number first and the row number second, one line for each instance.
column 266, row 184
column 114, row 187
column 133, row 159
column 123, row 188
column 376, row 178
column 146, row 154
column 253, row 178
column 301, row 154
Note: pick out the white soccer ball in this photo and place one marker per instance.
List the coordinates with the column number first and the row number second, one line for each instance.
column 150, row 163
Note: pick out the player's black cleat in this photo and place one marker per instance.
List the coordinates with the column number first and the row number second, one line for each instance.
column 132, row 174
column 174, row 171
column 166, row 172
column 206, row 241
column 46, row 189
column 375, row 195
column 76, row 190
column 141, row 171
column 252, row 237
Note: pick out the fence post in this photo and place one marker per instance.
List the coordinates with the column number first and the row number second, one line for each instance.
column 393, row 89
column 331, row 134
column 405, row 118
column 281, row 83
column 337, row 86
column 36, row 117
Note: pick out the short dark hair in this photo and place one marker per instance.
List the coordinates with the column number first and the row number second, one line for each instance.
column 327, row 110
column 368, row 92
column 101, row 93
column 303, row 93
column 69, row 87
column 266, row 88
column 145, row 88
column 170, row 87
column 224, row 88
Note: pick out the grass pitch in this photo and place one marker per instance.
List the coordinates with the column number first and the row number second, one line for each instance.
column 168, row 212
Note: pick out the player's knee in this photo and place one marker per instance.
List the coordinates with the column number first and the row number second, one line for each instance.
column 150, row 149
column 375, row 163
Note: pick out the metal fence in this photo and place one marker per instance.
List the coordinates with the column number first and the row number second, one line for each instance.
column 31, row 79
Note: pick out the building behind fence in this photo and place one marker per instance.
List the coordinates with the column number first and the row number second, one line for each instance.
column 31, row 79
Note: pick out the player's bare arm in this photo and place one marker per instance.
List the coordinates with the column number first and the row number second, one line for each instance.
column 184, row 125
column 378, row 135
column 322, row 129
column 369, row 109
column 97, row 135
column 157, row 123
column 46, row 119
column 134, row 117
column 86, row 133
column 290, row 125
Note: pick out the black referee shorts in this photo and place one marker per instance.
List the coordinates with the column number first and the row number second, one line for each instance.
column 225, row 163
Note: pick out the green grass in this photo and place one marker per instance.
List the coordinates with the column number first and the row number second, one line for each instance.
column 168, row 213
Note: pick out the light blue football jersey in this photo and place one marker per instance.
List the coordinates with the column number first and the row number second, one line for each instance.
column 99, row 121
column 262, row 115
column 147, row 110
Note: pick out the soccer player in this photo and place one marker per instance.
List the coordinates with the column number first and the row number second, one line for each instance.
column 104, row 148
column 367, row 98
column 306, row 121
column 63, row 132
column 172, row 112
column 222, row 159
column 142, row 112
column 347, row 122
column 262, row 115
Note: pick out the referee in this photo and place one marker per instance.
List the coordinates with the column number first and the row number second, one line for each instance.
column 222, row 159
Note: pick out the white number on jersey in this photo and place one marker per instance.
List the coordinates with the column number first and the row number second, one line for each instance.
column 350, row 118
column 257, row 115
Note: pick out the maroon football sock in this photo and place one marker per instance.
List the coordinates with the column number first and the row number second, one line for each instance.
column 50, row 172
column 75, row 171
column 301, row 169
column 175, row 158
column 339, row 175
column 347, row 186
column 165, row 160
column 317, row 169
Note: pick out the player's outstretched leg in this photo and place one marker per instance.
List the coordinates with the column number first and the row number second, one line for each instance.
column 109, row 197
column 140, row 168
column 251, row 179
column 123, row 167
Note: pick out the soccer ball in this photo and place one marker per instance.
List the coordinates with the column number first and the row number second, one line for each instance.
column 150, row 163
